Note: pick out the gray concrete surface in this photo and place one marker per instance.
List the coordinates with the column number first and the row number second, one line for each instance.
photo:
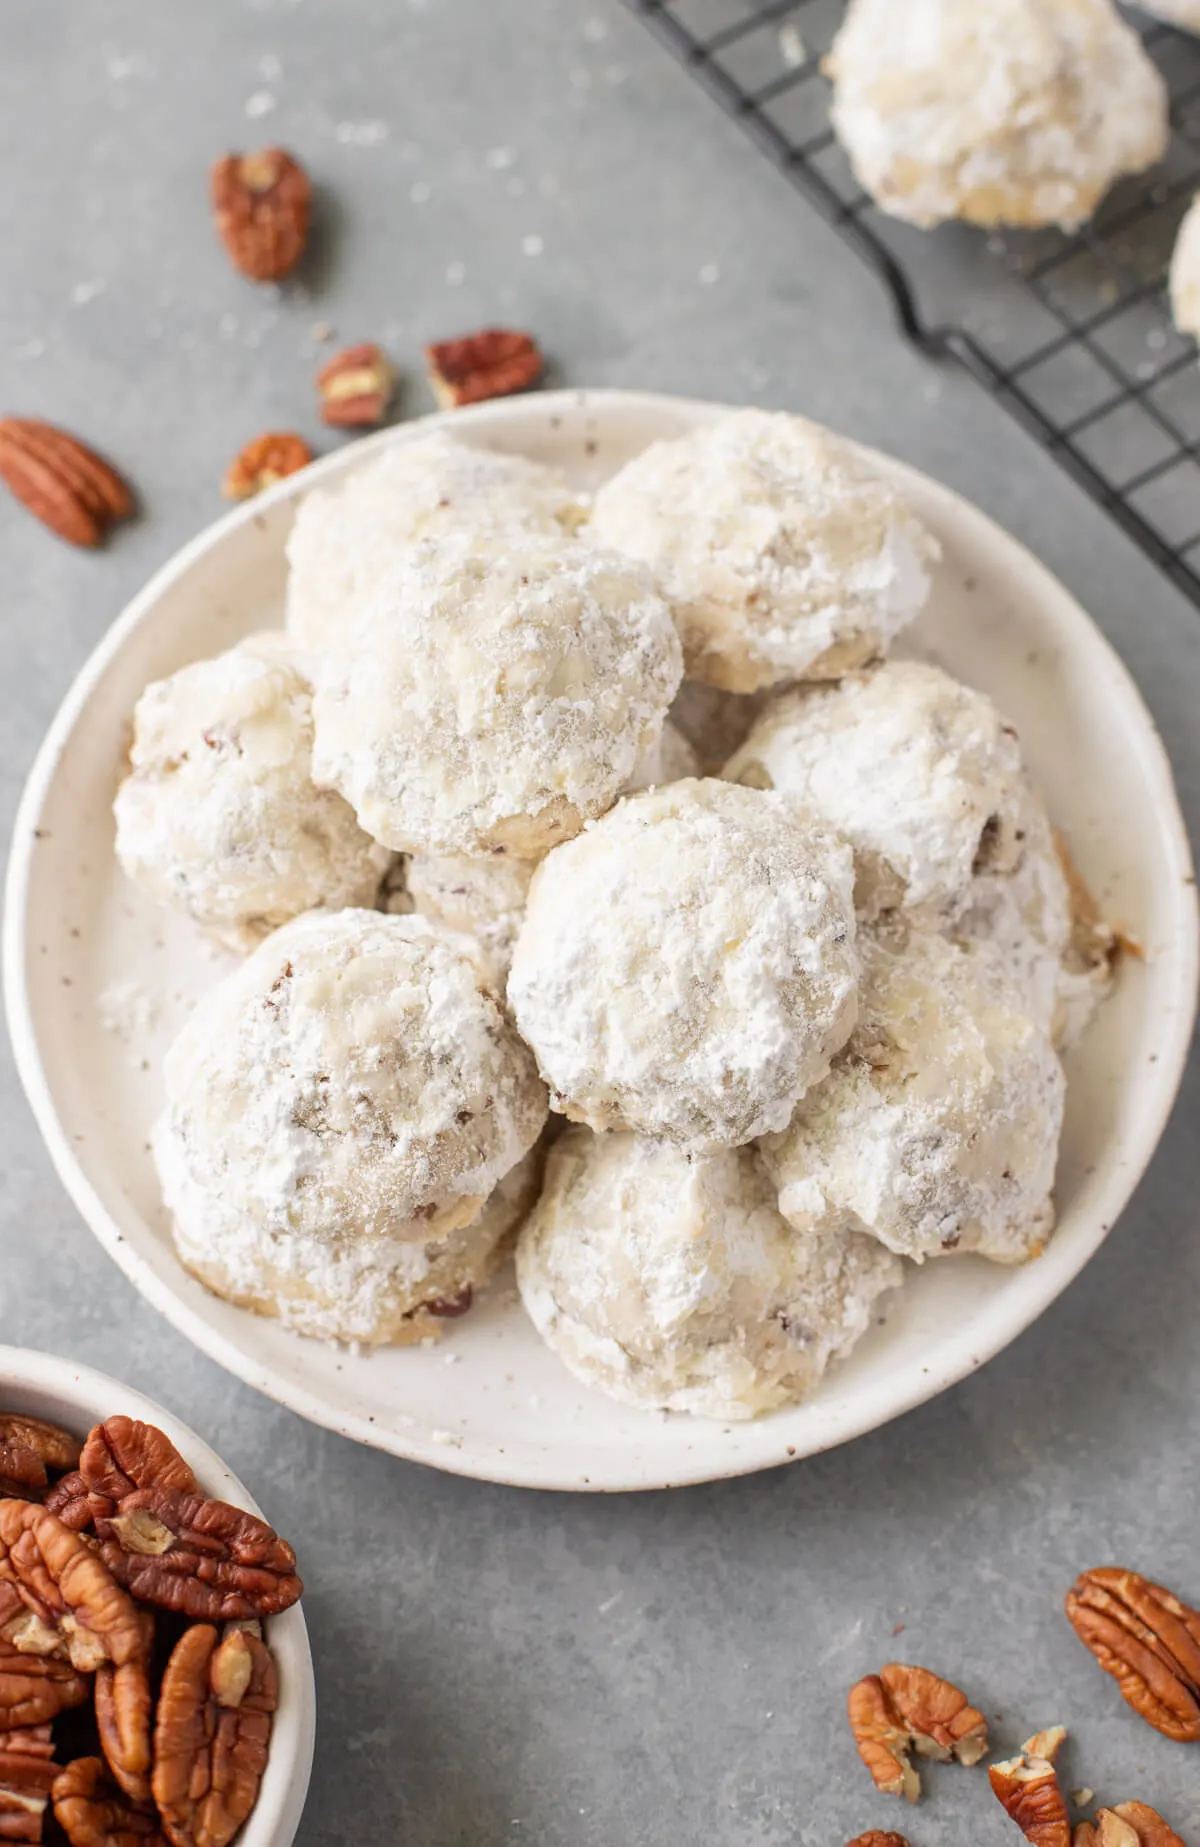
column 497, row 1666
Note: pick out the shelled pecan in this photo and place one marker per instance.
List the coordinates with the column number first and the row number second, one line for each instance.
column 35, row 1688
column 265, row 460
column 1148, row 1640
column 261, row 203
column 203, row 1558
column 355, row 387
column 125, row 1715
column 493, row 363
column 27, row 1771
column 62, row 482
column 212, row 1734
column 1028, row 1790
column 72, row 1606
column 902, row 1709
column 873, row 1838
column 93, row 1812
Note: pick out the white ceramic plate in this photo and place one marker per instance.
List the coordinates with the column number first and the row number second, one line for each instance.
column 504, row 1409
column 75, row 1397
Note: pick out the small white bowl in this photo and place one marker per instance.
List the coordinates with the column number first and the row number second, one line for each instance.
column 77, row 934
column 42, row 1385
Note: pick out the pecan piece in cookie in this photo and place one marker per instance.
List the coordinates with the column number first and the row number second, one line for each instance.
column 27, row 1770
column 71, row 1607
column 212, row 1734
column 35, row 1688
column 125, row 1714
column 93, row 1812
column 1148, row 1640
column 203, row 1558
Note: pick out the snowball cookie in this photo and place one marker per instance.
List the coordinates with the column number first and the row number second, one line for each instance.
column 352, row 1083
column 669, row 1279
column 490, row 696
column 686, row 967
column 1017, row 112
column 937, row 1128
column 220, row 816
column 783, row 554
column 388, row 1290
column 343, row 537
column 1185, row 273
column 920, row 773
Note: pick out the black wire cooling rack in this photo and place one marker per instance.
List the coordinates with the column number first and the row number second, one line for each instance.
column 1071, row 334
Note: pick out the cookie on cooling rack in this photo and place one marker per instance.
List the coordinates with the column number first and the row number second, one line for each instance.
column 686, row 966
column 783, row 554
column 670, row 1280
column 937, row 1127
column 219, row 815
column 344, row 536
column 1000, row 112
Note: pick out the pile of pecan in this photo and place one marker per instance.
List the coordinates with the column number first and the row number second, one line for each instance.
column 136, row 1689
column 1144, row 1636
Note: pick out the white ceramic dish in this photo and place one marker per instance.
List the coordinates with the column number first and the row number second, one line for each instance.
column 76, row 1397
column 504, row 1409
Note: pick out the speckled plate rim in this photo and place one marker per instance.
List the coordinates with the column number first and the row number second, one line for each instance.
column 43, row 1385
column 960, row 1353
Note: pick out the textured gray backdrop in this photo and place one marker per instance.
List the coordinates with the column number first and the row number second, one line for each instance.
column 496, row 1666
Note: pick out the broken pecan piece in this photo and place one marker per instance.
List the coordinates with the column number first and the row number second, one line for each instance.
column 35, row 1688
column 93, row 1812
column 940, row 1722
column 882, row 1738
column 63, row 483
column 124, row 1716
column 874, row 1838
column 493, row 363
column 1029, row 1792
column 180, row 1551
column 71, row 1606
column 355, row 386
column 263, row 462
column 1147, row 1827
column 212, row 1734
column 261, row 203
column 27, row 1771
column 1148, row 1640
column 54, row 1447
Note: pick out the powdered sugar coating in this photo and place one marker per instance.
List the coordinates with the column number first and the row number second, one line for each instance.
column 1019, row 112
column 670, row 759
column 783, row 554
column 386, row 1291
column 344, row 537
column 352, row 1082
column 490, row 696
column 670, row 1280
column 920, row 773
column 686, row 967
column 937, row 1128
column 1185, row 270
column 220, row 817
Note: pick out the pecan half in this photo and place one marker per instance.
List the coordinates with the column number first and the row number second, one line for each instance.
column 63, row 483
column 122, row 1455
column 1029, row 1792
column 873, row 1838
column 54, row 1447
column 940, row 1722
column 27, row 1771
column 212, row 1734
column 35, row 1688
column 179, row 1551
column 1148, row 1640
column 493, row 363
column 1147, row 1827
column 355, row 386
column 261, row 203
column 68, row 1501
column 72, row 1608
column 124, row 1716
column 882, row 1738
column 263, row 462
column 93, row 1812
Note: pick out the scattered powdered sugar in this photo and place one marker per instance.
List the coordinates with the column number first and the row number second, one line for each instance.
column 1017, row 112
column 686, row 966
column 937, row 1128
column 782, row 554
column 127, row 1010
column 671, row 1281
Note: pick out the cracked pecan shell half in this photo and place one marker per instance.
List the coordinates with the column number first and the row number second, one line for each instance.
column 93, row 1812
column 35, row 1688
column 71, row 1605
column 1148, row 1640
column 202, row 1558
column 125, row 1716
column 27, row 1771
column 212, row 1734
